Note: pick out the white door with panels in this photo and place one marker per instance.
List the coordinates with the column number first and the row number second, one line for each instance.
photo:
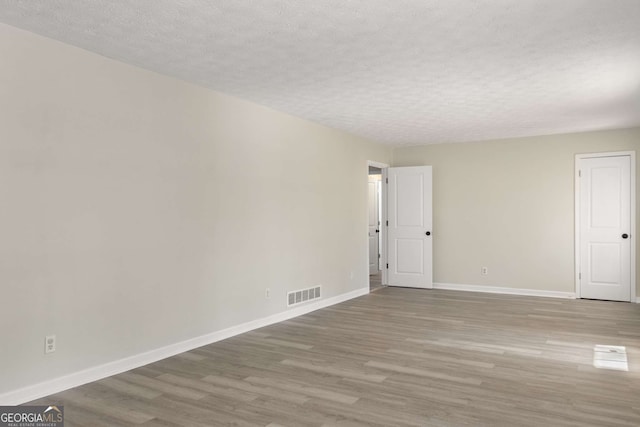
column 374, row 226
column 409, row 213
column 604, row 227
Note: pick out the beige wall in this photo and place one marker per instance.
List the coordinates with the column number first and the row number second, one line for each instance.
column 509, row 205
column 139, row 211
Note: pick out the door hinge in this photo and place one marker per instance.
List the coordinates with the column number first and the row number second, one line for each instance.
column 387, row 223
column 387, row 266
column 378, row 256
column 580, row 276
column 579, row 173
column 386, row 180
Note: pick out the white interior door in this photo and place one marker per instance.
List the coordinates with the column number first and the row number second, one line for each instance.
column 409, row 232
column 605, row 228
column 374, row 226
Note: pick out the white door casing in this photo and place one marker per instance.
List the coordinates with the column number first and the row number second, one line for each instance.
column 604, row 227
column 409, row 233
column 374, row 226
column 380, row 217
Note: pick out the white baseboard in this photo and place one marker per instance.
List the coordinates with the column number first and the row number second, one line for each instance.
column 96, row 373
column 503, row 290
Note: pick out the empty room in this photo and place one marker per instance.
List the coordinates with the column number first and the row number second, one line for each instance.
column 329, row 213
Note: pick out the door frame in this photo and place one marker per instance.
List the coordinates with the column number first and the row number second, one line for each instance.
column 632, row 173
column 375, row 186
column 383, row 219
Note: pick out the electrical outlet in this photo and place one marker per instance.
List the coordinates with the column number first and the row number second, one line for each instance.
column 267, row 293
column 49, row 344
column 484, row 271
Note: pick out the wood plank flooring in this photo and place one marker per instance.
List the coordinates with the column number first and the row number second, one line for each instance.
column 396, row 357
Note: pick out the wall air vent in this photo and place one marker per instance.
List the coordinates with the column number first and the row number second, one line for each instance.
column 303, row 295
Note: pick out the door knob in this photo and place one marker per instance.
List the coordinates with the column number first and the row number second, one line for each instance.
column 428, row 233
column 625, row 235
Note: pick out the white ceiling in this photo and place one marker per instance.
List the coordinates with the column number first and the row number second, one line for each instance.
column 402, row 72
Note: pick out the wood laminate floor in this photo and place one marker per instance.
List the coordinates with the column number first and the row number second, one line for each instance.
column 396, row 357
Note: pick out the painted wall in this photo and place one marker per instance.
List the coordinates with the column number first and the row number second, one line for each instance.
column 139, row 211
column 509, row 205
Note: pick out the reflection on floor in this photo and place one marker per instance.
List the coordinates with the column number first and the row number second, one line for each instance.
column 375, row 281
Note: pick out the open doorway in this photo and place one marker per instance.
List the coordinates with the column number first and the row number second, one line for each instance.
column 400, row 249
column 375, row 227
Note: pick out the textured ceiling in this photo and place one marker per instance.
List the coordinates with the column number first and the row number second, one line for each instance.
column 400, row 72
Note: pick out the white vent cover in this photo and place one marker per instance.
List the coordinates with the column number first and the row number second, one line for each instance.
column 610, row 357
column 303, row 295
